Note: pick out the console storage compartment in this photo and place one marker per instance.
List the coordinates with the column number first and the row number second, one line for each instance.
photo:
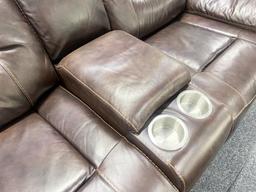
column 122, row 78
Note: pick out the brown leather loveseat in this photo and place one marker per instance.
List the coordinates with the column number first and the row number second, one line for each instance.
column 120, row 95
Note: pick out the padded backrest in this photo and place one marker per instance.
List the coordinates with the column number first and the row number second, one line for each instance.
column 65, row 25
column 239, row 12
column 142, row 17
column 25, row 70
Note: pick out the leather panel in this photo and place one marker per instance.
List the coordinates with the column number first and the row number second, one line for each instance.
column 240, row 12
column 34, row 157
column 230, row 98
column 237, row 67
column 142, row 17
column 97, row 184
column 26, row 72
column 122, row 78
column 120, row 164
column 191, row 45
column 77, row 123
column 219, row 27
column 12, row 101
column 65, row 25
column 206, row 136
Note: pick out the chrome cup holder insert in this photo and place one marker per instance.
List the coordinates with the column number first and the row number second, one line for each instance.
column 194, row 104
column 168, row 132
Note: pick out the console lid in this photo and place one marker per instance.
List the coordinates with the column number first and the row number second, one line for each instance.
column 122, row 78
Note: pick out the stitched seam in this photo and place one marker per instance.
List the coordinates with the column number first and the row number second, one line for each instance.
column 32, row 25
column 110, row 151
column 214, row 99
column 101, row 98
column 238, row 35
column 219, row 52
column 244, row 100
column 16, row 81
column 104, row 177
column 246, row 106
column 223, row 105
column 152, row 163
column 228, row 34
column 181, row 177
column 114, row 130
column 19, row 90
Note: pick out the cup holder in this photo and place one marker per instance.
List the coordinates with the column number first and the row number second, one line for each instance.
column 168, row 132
column 194, row 104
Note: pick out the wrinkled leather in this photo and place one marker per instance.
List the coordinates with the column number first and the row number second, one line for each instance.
column 34, row 157
column 122, row 79
column 25, row 70
column 142, row 17
column 179, row 40
column 240, row 12
column 64, row 25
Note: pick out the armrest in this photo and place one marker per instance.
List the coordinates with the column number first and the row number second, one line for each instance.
column 241, row 13
column 122, row 78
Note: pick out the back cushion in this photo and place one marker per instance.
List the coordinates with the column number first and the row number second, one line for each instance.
column 140, row 18
column 25, row 70
column 240, row 12
column 65, row 25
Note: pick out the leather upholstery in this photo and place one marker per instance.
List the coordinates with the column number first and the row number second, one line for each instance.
column 52, row 141
column 237, row 68
column 118, row 165
column 179, row 40
column 206, row 136
column 25, row 70
column 124, row 70
column 142, row 17
column 65, row 25
column 230, row 98
column 34, row 157
column 240, row 12
column 219, row 27
column 56, row 142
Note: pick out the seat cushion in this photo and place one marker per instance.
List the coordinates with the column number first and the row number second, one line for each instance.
column 78, row 124
column 237, row 68
column 34, row 157
column 119, row 165
column 194, row 46
column 219, row 27
column 65, row 25
column 75, row 150
column 122, row 78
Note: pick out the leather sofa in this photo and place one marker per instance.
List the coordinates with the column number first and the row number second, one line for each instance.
column 81, row 82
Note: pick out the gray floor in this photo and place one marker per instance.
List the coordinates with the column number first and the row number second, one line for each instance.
column 234, row 168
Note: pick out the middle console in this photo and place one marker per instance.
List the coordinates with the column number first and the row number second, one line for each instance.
column 134, row 88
